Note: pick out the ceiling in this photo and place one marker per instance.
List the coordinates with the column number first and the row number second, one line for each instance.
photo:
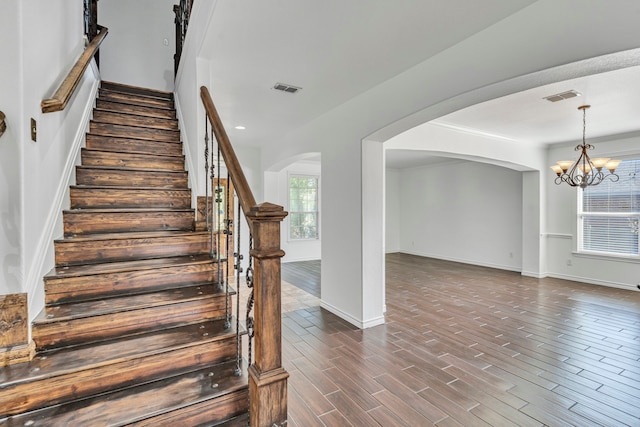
column 335, row 50
column 526, row 117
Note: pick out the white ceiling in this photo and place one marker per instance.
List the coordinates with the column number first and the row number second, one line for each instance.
column 336, row 50
column 526, row 117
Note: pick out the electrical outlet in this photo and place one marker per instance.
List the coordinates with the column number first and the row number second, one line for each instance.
column 568, row 263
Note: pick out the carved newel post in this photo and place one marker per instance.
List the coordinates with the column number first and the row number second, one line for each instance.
column 267, row 377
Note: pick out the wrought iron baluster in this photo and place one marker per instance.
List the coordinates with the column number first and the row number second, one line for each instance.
column 249, row 317
column 206, row 174
column 239, row 258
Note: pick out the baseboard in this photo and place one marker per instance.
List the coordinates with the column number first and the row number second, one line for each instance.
column 189, row 166
column 594, row 281
column 361, row 324
column 35, row 274
column 464, row 261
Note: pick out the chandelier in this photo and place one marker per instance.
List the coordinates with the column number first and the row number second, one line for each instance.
column 585, row 171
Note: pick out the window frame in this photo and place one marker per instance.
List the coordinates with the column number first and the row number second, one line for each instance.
column 290, row 237
column 580, row 218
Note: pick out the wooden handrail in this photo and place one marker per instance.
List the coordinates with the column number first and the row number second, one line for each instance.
column 247, row 201
column 267, row 376
column 3, row 124
column 60, row 99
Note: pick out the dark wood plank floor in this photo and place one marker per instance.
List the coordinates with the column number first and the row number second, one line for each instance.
column 304, row 275
column 469, row 346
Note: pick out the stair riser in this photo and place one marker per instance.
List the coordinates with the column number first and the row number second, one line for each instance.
column 87, row 198
column 130, row 160
column 134, row 120
column 83, row 222
column 70, row 252
column 202, row 413
column 146, row 101
column 116, row 325
column 132, row 145
column 69, row 289
column 131, row 178
column 108, row 129
column 65, row 388
column 135, row 90
column 135, row 109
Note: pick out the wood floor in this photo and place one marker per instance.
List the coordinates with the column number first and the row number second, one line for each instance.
column 304, row 275
column 469, row 346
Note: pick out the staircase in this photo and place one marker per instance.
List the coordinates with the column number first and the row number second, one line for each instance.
column 133, row 332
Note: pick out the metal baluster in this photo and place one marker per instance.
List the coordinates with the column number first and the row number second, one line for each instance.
column 238, row 266
column 206, row 174
column 228, row 241
column 249, row 318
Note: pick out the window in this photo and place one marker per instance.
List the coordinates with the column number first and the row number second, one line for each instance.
column 608, row 213
column 303, row 207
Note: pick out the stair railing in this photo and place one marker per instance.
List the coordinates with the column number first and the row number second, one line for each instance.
column 61, row 97
column 267, row 377
column 183, row 13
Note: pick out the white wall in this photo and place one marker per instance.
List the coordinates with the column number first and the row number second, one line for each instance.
column 277, row 191
column 505, row 58
column 134, row 51
column 392, row 210
column 11, row 149
column 563, row 260
column 463, row 211
column 49, row 40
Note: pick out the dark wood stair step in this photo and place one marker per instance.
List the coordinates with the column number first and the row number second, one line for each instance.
column 128, row 177
column 135, row 90
column 126, row 131
column 205, row 397
column 96, row 197
column 63, row 375
column 93, row 221
column 93, row 281
column 139, row 110
column 131, row 160
column 97, row 248
column 91, row 321
column 132, row 145
column 239, row 421
column 123, row 118
column 130, row 98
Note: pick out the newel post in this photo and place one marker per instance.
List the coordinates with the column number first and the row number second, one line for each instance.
column 267, row 377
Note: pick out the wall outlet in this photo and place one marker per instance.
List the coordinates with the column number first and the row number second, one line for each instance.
column 569, row 263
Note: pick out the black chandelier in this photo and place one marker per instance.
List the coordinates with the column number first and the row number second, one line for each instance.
column 585, row 171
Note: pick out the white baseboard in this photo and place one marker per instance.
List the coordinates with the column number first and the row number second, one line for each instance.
column 594, row 281
column 361, row 324
column 34, row 277
column 464, row 261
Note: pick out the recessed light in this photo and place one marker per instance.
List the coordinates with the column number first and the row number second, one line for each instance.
column 240, row 127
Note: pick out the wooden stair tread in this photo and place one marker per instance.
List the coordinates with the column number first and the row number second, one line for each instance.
column 125, row 88
column 84, row 309
column 132, row 235
column 136, row 109
column 137, row 153
column 126, row 210
column 123, row 266
column 54, row 363
column 136, row 99
column 121, row 140
column 123, row 187
column 132, row 119
column 239, row 421
column 143, row 403
column 124, row 168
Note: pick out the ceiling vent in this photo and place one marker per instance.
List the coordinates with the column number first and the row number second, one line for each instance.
column 286, row 88
column 562, row 96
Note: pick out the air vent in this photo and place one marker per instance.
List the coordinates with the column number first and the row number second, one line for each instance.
column 562, row 96
column 286, row 88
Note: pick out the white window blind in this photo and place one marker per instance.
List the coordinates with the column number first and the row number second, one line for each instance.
column 303, row 207
column 609, row 212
